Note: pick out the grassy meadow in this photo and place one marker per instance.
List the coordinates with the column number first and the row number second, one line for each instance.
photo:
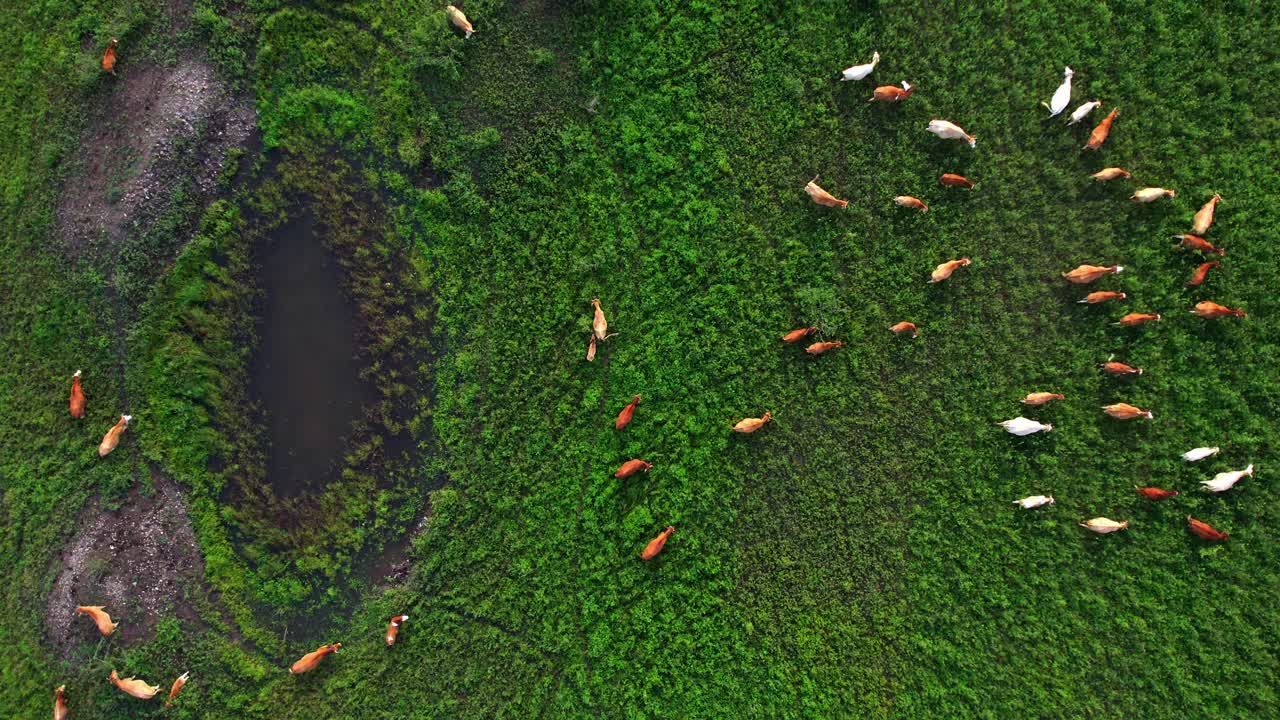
column 860, row 556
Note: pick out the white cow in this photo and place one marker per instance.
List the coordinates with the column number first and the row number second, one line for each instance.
column 858, row 72
column 948, row 130
column 1062, row 96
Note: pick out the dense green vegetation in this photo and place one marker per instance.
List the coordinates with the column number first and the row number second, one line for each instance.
column 860, row 555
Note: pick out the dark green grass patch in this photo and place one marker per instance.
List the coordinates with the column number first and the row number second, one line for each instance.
column 860, row 555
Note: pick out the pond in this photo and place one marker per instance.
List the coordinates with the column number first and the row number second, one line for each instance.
column 305, row 371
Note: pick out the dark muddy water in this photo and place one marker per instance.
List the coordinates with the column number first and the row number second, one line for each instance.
column 305, row 372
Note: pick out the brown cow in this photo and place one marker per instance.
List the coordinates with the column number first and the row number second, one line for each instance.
column 911, row 202
column 799, row 334
column 308, row 662
column 178, row 684
column 112, row 438
column 905, row 326
column 1100, row 133
column 109, row 57
column 943, row 271
column 1204, row 216
column 1085, row 274
column 624, row 417
column 393, row 629
column 99, row 617
column 820, row 347
column 1094, row 298
column 1201, row 272
column 1210, row 310
column 134, row 687
column 892, row 93
column 1195, row 242
column 655, row 545
column 77, row 397
column 1136, row 319
column 822, row 197
column 750, row 425
column 1111, row 173
column 1040, row 398
column 1125, row 411
column 60, row 711
column 1204, row 530
column 459, row 20
column 953, row 180
column 631, row 467
column 1119, row 368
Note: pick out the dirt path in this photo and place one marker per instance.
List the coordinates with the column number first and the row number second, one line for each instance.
column 139, row 147
column 140, row 562
column 156, row 134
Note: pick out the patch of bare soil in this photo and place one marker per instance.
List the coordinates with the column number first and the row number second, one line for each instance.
column 140, row 144
column 140, row 562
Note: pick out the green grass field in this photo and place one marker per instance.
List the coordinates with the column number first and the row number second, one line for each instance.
column 860, row 556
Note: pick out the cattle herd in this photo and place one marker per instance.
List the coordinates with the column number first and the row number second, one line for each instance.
column 1020, row 426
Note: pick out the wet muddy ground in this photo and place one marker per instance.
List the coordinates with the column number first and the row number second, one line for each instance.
column 306, row 369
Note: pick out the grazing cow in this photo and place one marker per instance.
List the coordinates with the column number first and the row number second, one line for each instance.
column 1040, row 398
column 858, row 72
column 1111, row 173
column 1100, row 133
column 943, row 271
column 1021, row 426
column 598, row 324
column 631, row 467
column 1125, row 411
column 1201, row 272
column 822, row 197
column 1136, row 319
column 1083, row 111
column 1119, row 368
column 798, row 335
column 1155, row 493
column 60, row 711
column 109, row 57
column 1199, row 453
column 820, row 347
column 1103, row 525
column 134, row 687
column 112, row 438
column 750, row 425
column 393, row 629
column 911, row 202
column 1102, row 296
column 953, row 180
column 77, row 397
column 1034, row 501
column 100, row 618
column 1195, row 242
column 1204, row 530
column 1224, row 481
column 308, row 662
column 624, row 417
column 1085, row 274
column 1062, row 96
column 891, row 93
column 178, row 684
column 459, row 20
column 1152, row 194
column 948, row 130
column 1204, row 216
column 655, row 545
column 905, row 326
column 1210, row 310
